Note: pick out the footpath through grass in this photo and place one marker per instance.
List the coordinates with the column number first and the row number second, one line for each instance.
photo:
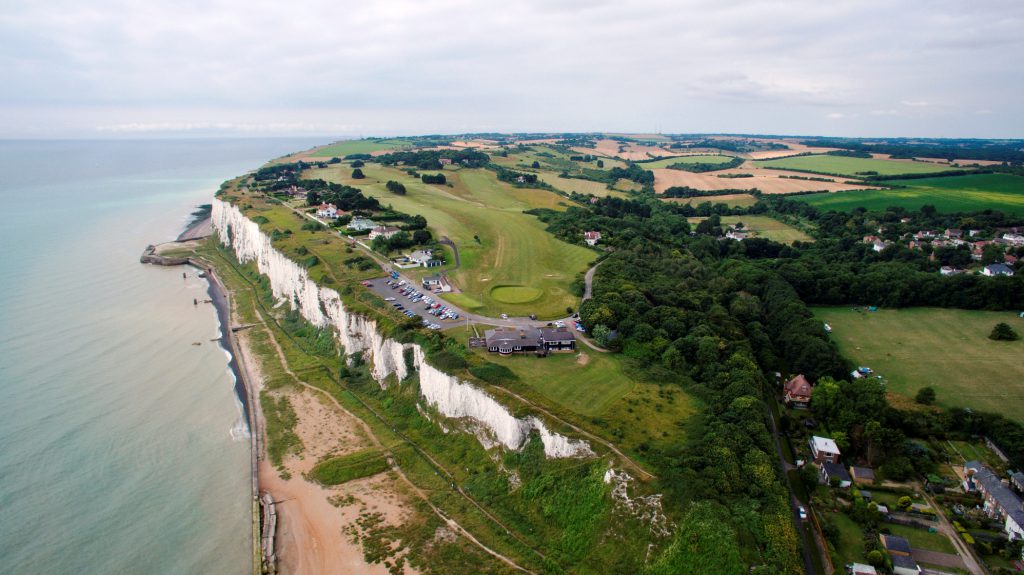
column 947, row 349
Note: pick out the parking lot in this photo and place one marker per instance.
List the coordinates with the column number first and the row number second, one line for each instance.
column 413, row 299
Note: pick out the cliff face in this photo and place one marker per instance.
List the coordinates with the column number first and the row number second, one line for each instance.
column 357, row 334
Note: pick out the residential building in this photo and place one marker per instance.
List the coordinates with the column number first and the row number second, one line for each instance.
column 738, row 235
column 445, row 161
column 950, row 271
column 383, row 232
column 862, row 569
column 997, row 270
column 1014, row 239
column 591, row 238
column 1017, row 479
column 900, row 553
column 510, row 340
column 797, row 391
column 829, row 470
column 327, row 211
column 954, row 233
column 924, row 235
column 1000, row 502
column 424, row 258
column 361, row 224
column 862, row 475
column 824, row 449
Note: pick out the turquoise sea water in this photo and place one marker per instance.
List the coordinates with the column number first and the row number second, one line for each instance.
column 122, row 448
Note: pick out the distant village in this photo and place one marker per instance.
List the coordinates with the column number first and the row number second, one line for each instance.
column 955, row 238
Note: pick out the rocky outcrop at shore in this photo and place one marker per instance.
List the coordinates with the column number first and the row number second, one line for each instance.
column 324, row 308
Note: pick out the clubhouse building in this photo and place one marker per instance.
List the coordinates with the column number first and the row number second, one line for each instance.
column 510, row 340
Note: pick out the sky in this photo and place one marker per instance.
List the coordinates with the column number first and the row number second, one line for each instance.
column 124, row 68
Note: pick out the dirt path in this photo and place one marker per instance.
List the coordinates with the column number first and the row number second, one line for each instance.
column 946, row 528
column 451, row 523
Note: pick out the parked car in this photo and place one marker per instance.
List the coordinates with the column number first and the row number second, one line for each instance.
column 802, row 512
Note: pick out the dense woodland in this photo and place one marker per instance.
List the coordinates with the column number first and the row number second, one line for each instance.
column 714, row 316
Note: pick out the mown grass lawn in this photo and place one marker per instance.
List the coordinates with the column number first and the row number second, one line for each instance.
column 847, row 166
column 922, row 538
column 1004, row 192
column 513, row 248
column 947, row 349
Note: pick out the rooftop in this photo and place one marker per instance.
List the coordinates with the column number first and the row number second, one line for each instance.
column 993, row 486
column 895, row 543
column 825, row 444
column 836, row 470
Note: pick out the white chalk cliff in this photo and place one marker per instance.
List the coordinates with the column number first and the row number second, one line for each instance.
column 357, row 334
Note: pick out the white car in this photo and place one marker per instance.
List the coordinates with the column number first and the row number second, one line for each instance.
column 504, row 316
column 802, row 512
column 389, row 299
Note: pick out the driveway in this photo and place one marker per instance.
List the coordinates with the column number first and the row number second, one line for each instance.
column 937, row 558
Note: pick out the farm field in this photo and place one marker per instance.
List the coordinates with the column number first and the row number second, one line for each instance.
column 767, row 180
column 733, row 200
column 342, row 149
column 514, row 249
column 764, row 227
column 947, row 349
column 847, row 166
column 703, row 159
column 568, row 185
column 1003, row 192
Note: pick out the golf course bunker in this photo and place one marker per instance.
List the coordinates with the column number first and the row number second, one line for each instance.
column 515, row 294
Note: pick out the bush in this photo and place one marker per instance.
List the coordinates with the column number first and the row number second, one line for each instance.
column 357, row 174
column 338, row 470
column 447, row 361
column 1003, row 332
column 925, row 396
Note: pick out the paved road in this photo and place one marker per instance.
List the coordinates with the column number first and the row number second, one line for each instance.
column 937, row 558
column 588, row 283
column 809, row 542
column 963, row 550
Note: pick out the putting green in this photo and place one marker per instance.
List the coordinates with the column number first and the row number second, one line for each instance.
column 515, row 294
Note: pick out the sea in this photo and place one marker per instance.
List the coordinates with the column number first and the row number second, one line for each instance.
column 122, row 443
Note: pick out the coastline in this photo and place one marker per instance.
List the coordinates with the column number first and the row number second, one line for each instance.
column 245, row 382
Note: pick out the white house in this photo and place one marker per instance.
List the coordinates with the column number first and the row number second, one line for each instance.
column 383, row 231
column 361, row 224
column 997, row 270
column 824, row 449
column 1000, row 502
column 591, row 238
column 327, row 211
column 1014, row 239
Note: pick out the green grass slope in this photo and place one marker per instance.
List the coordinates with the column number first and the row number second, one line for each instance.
column 1004, row 192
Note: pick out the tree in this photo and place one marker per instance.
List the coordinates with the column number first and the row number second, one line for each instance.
column 535, row 164
column 904, row 503
column 601, row 334
column 926, row 395
column 358, row 164
column 600, row 163
column 396, row 187
column 357, row 174
column 1003, row 332
column 875, row 558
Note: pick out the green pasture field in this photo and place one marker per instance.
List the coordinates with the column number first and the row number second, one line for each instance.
column 666, row 162
column 975, row 192
column 763, row 227
column 569, row 185
column 947, row 349
column 344, row 148
column 732, row 200
column 596, row 387
column 514, row 248
column 847, row 166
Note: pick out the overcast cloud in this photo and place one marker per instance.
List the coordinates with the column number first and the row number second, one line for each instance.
column 99, row 68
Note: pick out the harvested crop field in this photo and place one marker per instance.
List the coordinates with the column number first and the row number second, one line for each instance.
column 732, row 200
column 851, row 167
column 794, row 148
column 768, row 181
